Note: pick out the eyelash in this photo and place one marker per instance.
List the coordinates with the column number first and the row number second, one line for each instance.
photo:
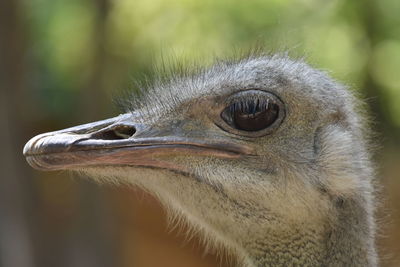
column 249, row 106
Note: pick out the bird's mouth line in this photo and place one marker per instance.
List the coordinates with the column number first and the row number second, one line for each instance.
column 218, row 147
column 150, row 155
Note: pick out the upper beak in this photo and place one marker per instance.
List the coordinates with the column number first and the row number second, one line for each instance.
column 119, row 141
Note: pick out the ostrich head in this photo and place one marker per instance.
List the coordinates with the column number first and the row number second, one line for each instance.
column 264, row 155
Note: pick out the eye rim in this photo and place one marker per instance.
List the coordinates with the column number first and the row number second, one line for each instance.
column 241, row 96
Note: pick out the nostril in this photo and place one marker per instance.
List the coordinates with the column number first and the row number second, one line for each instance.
column 115, row 133
column 124, row 131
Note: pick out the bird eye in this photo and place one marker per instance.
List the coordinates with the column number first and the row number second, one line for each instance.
column 253, row 113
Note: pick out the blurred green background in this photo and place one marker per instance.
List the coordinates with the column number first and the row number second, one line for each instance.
column 62, row 61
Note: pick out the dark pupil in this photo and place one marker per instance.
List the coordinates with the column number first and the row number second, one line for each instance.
column 254, row 116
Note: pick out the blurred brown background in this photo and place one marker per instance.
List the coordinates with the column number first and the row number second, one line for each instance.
column 62, row 61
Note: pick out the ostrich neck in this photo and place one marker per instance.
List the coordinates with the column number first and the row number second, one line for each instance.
column 342, row 235
column 346, row 242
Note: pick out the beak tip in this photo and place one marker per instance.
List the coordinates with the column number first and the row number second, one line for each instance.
column 31, row 147
column 28, row 146
column 29, row 150
column 32, row 151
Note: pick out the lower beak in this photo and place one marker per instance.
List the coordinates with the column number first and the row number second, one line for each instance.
column 116, row 142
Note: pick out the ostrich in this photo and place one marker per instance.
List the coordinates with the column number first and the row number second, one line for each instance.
column 265, row 156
